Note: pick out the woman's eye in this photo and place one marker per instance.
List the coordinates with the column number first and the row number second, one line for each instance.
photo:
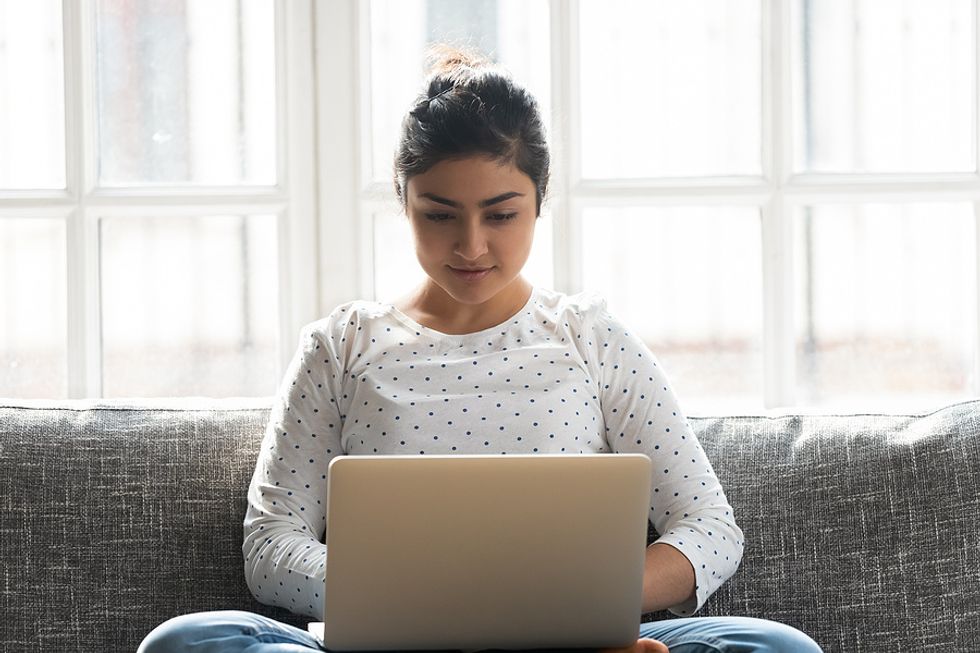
column 497, row 217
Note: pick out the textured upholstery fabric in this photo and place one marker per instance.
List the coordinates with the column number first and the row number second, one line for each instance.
column 860, row 529
column 114, row 519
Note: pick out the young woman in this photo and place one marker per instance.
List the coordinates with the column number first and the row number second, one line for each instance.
column 477, row 359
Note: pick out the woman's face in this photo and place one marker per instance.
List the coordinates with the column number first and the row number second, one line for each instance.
column 475, row 215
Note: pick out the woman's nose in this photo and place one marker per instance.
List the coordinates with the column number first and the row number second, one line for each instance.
column 472, row 242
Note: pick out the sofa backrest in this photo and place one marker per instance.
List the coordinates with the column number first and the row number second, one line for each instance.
column 860, row 529
column 116, row 517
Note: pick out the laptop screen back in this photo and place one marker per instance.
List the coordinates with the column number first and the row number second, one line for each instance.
column 476, row 552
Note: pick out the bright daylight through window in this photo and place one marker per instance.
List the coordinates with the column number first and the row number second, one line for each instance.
column 780, row 197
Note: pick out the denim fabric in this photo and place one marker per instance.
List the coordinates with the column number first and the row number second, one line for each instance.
column 728, row 635
column 234, row 630
column 227, row 630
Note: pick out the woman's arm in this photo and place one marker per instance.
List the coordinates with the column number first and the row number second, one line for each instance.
column 284, row 526
column 688, row 506
column 668, row 578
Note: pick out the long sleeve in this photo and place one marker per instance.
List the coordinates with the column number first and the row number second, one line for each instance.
column 285, row 521
column 688, row 506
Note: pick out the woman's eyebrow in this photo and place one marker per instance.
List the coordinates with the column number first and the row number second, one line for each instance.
column 482, row 203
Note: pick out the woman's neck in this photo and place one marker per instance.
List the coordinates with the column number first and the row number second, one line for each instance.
column 434, row 308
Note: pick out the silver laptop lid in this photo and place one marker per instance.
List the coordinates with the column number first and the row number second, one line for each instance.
column 485, row 551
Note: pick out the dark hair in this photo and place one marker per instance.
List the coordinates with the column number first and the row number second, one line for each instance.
column 471, row 107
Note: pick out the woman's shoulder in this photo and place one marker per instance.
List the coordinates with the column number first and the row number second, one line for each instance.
column 584, row 313
column 349, row 315
column 581, row 307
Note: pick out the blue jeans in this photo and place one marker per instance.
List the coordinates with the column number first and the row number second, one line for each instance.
column 234, row 630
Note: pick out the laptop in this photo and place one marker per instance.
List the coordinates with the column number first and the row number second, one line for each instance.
column 475, row 552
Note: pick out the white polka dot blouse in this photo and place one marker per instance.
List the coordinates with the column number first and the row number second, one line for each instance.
column 561, row 376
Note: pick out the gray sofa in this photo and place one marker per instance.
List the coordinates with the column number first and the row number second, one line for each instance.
column 860, row 530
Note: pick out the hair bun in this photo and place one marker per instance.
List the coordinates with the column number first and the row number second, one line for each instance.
column 444, row 60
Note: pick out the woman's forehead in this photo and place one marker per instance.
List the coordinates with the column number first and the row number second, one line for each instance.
column 471, row 179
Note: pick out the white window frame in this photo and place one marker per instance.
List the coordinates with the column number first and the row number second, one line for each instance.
column 324, row 198
column 82, row 203
column 341, row 53
column 349, row 197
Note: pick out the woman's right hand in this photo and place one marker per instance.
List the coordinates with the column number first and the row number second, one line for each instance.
column 644, row 645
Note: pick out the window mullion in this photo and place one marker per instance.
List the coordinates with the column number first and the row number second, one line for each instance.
column 777, row 236
column 565, row 145
column 83, row 311
column 342, row 97
column 976, row 307
column 976, row 205
column 370, row 208
column 296, row 131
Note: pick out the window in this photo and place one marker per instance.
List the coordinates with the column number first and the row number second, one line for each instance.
column 153, row 195
column 780, row 197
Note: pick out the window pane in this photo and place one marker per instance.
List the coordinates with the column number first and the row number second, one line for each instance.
column 189, row 306
column 397, row 270
column 671, row 89
column 688, row 281
column 33, row 301
column 511, row 32
column 883, row 86
column 186, row 92
column 886, row 304
column 32, row 100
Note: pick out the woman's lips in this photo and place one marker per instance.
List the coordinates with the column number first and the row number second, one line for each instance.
column 471, row 275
